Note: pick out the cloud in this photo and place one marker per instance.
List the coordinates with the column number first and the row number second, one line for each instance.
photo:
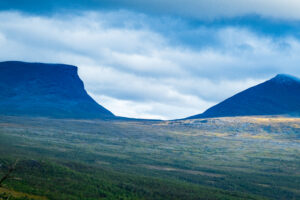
column 141, row 68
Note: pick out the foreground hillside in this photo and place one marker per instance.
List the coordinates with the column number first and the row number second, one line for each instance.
column 218, row 158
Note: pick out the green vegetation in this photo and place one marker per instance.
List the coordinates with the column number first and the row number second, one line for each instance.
column 230, row 158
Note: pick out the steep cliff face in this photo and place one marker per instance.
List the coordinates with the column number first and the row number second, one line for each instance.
column 51, row 90
column 277, row 96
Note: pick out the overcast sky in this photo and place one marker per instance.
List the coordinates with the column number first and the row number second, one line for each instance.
column 161, row 59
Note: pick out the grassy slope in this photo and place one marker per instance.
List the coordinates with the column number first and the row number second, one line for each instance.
column 12, row 194
column 230, row 158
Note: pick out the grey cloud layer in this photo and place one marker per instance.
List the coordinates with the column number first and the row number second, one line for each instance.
column 137, row 71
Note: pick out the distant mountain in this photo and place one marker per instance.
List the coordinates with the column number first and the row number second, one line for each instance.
column 277, row 96
column 50, row 90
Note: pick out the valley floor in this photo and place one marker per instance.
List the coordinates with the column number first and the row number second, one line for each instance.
column 224, row 158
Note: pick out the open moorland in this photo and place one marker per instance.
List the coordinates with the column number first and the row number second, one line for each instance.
column 217, row 158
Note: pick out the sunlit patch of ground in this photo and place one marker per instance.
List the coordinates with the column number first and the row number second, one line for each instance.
column 193, row 172
column 256, row 127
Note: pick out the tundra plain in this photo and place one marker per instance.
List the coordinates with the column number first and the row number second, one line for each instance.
column 216, row 158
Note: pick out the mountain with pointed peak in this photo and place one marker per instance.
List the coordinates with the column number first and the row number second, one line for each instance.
column 277, row 96
column 46, row 90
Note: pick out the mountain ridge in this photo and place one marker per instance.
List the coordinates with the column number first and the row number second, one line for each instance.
column 55, row 90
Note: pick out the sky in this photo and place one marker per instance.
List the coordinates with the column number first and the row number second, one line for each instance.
column 162, row 59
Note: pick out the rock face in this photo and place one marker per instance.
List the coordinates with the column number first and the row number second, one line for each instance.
column 277, row 96
column 50, row 90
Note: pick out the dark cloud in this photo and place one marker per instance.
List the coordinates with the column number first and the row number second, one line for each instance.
column 198, row 9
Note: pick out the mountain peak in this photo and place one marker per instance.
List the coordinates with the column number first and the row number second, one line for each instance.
column 277, row 96
column 285, row 78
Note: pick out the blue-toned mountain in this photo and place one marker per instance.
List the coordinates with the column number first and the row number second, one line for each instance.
column 277, row 96
column 50, row 90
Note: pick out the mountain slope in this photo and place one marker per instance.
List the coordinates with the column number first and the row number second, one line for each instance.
column 277, row 96
column 51, row 90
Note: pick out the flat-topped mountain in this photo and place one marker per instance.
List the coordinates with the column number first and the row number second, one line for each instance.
column 50, row 90
column 277, row 96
